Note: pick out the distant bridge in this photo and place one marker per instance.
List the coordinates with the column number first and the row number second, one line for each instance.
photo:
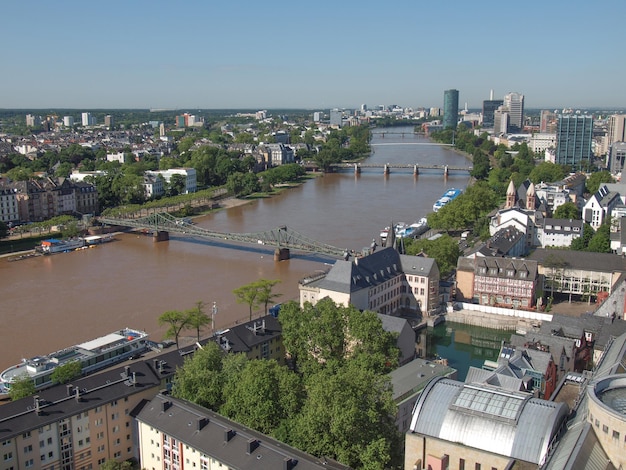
column 410, row 143
column 387, row 167
column 282, row 238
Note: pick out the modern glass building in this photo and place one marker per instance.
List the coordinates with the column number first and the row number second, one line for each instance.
column 515, row 104
column 450, row 108
column 573, row 140
column 489, row 108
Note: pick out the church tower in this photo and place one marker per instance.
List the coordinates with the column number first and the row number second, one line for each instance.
column 510, row 196
column 530, row 197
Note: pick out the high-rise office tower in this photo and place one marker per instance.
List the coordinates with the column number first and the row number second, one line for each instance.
column 336, row 117
column 515, row 103
column 574, row 136
column 617, row 129
column 87, row 119
column 108, row 120
column 489, row 108
column 500, row 120
column 450, row 108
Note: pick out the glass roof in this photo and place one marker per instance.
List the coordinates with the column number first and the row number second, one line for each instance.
column 490, row 402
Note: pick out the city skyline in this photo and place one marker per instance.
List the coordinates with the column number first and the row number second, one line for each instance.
column 193, row 54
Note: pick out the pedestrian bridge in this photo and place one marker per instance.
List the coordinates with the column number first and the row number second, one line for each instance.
column 282, row 238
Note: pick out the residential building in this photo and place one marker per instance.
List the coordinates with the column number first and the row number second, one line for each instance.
column 86, row 198
column 539, row 143
column 68, row 121
column 508, row 241
column 33, row 121
column 154, row 186
column 460, row 425
column 8, row 205
column 383, row 281
column 405, row 336
column 79, row 425
column 500, row 120
column 616, row 131
column 574, row 139
column 502, row 282
column 559, row 233
column 599, row 206
column 514, row 102
column 280, row 154
column 175, row 434
column 489, row 108
column 554, row 195
column 116, row 157
column 191, row 183
column 108, row 121
column 258, row 339
column 88, row 120
column 450, row 109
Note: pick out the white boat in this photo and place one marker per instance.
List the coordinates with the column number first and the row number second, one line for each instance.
column 53, row 245
column 449, row 195
column 403, row 230
column 93, row 355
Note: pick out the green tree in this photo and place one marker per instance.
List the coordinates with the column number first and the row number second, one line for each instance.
column 348, row 416
column 23, row 386
column 19, row 174
column 547, row 172
column 200, row 378
column 265, row 292
column 197, row 318
column 248, row 294
column 320, row 335
column 264, row 396
column 445, row 251
column 176, row 186
column 601, row 240
column 176, row 322
column 4, row 229
column 581, row 243
column 67, row 372
column 569, row 210
column 115, row 465
column 597, row 179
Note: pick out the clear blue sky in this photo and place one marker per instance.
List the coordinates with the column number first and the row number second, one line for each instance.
column 318, row 55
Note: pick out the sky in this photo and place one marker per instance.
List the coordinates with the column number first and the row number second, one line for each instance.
column 250, row 54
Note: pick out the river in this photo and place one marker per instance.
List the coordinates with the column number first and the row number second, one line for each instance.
column 51, row 302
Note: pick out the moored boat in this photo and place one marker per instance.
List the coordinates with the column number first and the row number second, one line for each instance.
column 449, row 195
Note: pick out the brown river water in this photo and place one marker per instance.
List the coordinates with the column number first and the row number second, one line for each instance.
column 51, row 302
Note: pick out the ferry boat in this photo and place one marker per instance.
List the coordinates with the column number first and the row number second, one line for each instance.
column 53, row 245
column 93, row 355
column 449, row 195
column 403, row 230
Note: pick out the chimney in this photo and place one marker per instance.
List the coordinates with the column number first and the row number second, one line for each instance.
column 289, row 463
column 127, row 371
column 251, row 446
column 77, row 394
column 165, row 405
column 37, row 407
column 70, row 390
column 201, row 423
column 155, row 364
column 263, row 326
column 229, row 434
column 134, row 379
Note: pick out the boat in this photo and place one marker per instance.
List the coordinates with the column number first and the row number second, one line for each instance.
column 449, row 195
column 93, row 355
column 403, row 230
column 53, row 245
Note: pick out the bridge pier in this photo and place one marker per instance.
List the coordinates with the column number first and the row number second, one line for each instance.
column 386, row 169
column 416, row 170
column 281, row 254
column 357, row 169
column 445, row 170
column 161, row 236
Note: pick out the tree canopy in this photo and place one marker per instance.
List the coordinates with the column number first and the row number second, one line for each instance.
column 67, row 372
column 23, row 386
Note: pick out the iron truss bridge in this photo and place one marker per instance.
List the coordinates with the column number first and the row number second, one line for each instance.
column 280, row 237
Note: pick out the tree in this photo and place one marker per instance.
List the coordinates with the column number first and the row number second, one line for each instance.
column 248, row 294
column 444, row 249
column 601, row 240
column 348, row 416
column 4, row 229
column 264, row 396
column 67, row 372
column 597, row 179
column 196, row 318
column 115, row 465
column 265, row 295
column 569, row 210
column 200, row 379
column 581, row 243
column 176, row 322
column 546, row 172
column 176, row 186
column 23, row 386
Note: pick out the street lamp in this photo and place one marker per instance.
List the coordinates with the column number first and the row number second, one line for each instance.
column 213, row 313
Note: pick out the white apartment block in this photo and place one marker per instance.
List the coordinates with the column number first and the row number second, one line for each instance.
column 115, row 157
column 191, row 182
column 559, row 233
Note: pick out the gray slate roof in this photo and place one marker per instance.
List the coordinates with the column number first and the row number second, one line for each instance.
column 599, row 262
column 206, row 431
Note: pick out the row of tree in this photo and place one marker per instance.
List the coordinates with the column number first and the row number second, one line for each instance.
column 335, row 401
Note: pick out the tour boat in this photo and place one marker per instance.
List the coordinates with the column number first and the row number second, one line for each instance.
column 449, row 195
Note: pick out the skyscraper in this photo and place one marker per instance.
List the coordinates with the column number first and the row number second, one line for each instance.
column 450, row 108
column 489, row 107
column 515, row 104
column 573, row 140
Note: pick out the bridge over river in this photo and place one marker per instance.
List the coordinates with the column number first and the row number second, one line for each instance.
column 282, row 238
column 387, row 167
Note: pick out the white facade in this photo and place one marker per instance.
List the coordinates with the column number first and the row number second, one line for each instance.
column 559, row 233
column 68, row 121
column 191, row 182
column 115, row 157
column 81, row 175
column 87, row 119
column 514, row 102
column 599, row 206
column 539, row 143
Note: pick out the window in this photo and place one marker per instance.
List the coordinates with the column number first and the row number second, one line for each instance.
column 100, row 435
column 477, row 466
column 26, row 435
column 605, row 428
column 461, row 464
column 29, row 463
column 616, row 435
column 8, row 456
